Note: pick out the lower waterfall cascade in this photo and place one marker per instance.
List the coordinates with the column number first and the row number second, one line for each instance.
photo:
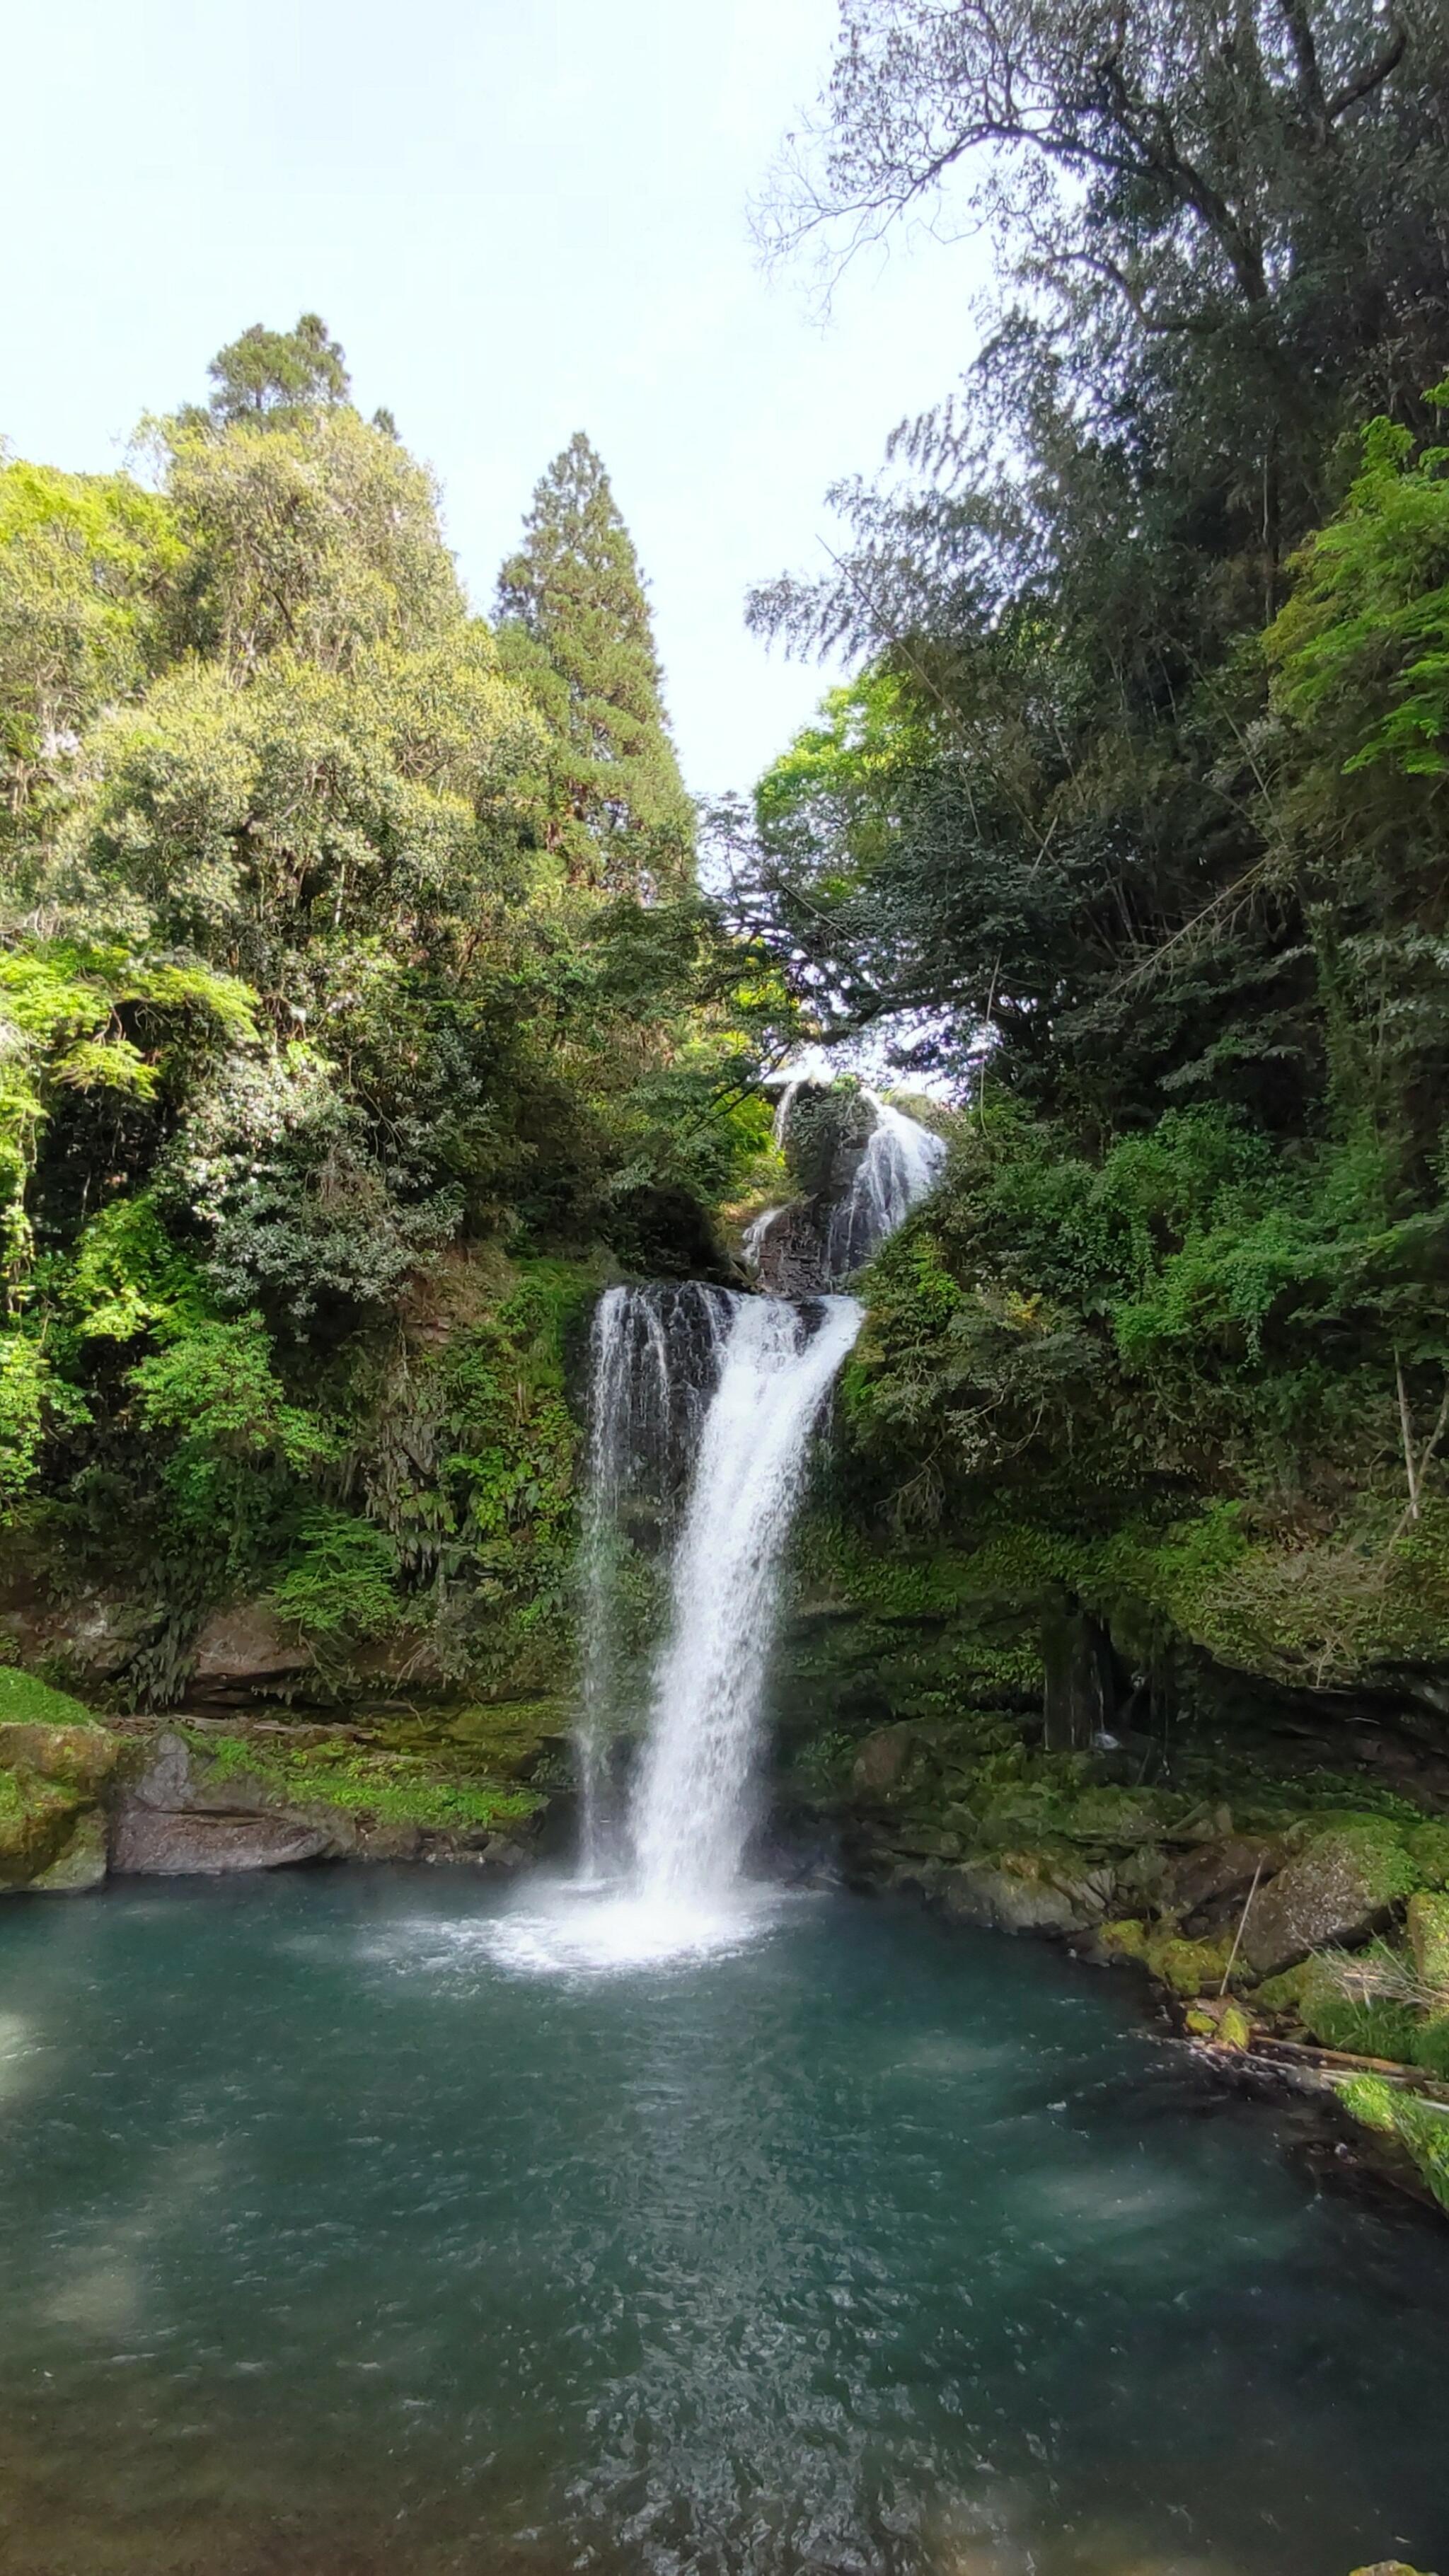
column 703, row 1402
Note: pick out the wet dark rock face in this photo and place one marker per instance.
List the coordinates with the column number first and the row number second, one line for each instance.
column 799, row 1253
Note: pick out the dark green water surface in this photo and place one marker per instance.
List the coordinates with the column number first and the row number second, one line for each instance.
column 335, row 2239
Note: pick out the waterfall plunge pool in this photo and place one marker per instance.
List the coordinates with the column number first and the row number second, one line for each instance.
column 340, row 2238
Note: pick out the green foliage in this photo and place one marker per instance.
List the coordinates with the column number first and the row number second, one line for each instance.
column 1361, row 652
column 575, row 628
column 334, row 959
column 370, row 1784
column 1419, row 2126
column 26, row 1701
column 88, row 564
column 274, row 375
column 1342, row 2011
column 340, row 1580
column 1131, row 821
column 24, row 1380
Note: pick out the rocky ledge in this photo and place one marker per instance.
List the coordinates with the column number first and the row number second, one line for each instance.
column 81, row 1800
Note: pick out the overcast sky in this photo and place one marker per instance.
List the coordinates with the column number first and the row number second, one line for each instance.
column 521, row 217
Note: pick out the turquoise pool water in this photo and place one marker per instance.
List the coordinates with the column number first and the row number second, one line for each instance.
column 341, row 2235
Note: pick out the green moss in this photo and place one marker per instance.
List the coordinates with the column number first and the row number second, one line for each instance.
column 1430, row 2048
column 1188, row 1967
column 1371, row 2100
column 1124, row 1940
column 1428, row 1848
column 24, row 1701
column 1370, row 2027
column 1116, row 1816
column 395, row 1788
column 1421, row 2127
column 36, row 1818
column 1428, row 1925
column 1224, row 2023
column 1284, row 1993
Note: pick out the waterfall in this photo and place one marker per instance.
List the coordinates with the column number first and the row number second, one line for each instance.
column 690, row 1815
column 702, row 1405
column 652, row 1363
column 900, row 1166
column 753, row 1238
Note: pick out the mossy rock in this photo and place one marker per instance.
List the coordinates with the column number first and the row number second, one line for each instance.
column 37, row 1818
column 1428, row 1924
column 1421, row 2127
column 80, row 1757
column 1283, row 1994
column 1387, row 2567
column 82, row 1862
column 1428, row 1848
column 508, row 1736
column 1124, row 1940
column 441, row 1789
column 1338, row 1887
column 1222, row 2021
column 1188, row 1967
column 1115, row 1816
column 1365, row 2025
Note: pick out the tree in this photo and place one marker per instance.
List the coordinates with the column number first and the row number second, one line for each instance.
column 1224, row 221
column 315, row 535
column 273, row 375
column 575, row 626
column 88, row 565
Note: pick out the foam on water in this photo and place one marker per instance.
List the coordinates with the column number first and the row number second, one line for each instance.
column 584, row 1929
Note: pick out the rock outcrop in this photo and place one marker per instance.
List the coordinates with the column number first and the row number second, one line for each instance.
column 1339, row 1887
column 56, row 1767
column 179, row 1818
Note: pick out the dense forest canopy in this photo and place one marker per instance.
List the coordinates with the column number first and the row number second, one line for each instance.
column 1138, row 808
column 362, row 1009
column 327, row 915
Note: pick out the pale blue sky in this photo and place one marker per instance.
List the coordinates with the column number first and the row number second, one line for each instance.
column 519, row 219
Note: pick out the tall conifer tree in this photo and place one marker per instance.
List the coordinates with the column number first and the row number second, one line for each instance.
column 574, row 624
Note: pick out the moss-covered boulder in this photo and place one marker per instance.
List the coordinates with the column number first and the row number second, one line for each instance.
column 55, row 1763
column 1428, row 1848
column 1340, row 1887
column 1282, row 1996
column 202, row 1802
column 1188, row 1967
column 1219, row 2019
column 1428, row 1925
column 1419, row 2127
column 83, row 1860
column 1027, row 1891
column 1357, row 2010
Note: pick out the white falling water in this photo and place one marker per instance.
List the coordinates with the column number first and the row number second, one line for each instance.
column 780, row 1128
column 735, row 1384
column 900, row 1166
column 691, row 1812
column 752, row 1242
column 653, row 1358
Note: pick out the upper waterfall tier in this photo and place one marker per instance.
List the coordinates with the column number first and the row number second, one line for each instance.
column 861, row 1180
